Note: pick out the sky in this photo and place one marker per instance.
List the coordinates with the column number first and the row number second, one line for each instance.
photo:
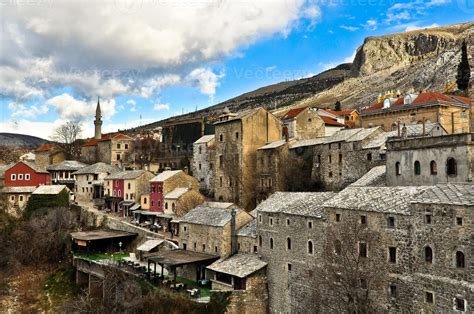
column 151, row 59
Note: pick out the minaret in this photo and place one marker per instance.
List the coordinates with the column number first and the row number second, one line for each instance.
column 98, row 121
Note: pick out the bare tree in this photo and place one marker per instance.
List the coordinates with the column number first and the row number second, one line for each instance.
column 67, row 135
column 353, row 273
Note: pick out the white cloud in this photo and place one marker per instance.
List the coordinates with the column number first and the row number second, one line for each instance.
column 205, row 80
column 412, row 27
column 21, row 110
column 371, row 24
column 133, row 105
column 349, row 28
column 161, row 107
column 131, row 47
column 72, row 109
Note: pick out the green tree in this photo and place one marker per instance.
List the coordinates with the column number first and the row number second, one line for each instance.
column 464, row 71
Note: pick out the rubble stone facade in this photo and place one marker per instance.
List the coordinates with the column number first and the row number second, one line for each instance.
column 202, row 165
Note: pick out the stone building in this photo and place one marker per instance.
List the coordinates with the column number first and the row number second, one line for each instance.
column 271, row 165
column 346, row 156
column 48, row 154
column 238, row 137
column 247, row 238
column 289, row 233
column 115, row 149
column 430, row 160
column 202, row 165
column 210, row 229
column 302, row 123
column 165, row 185
column 350, row 116
column 62, row 173
column 123, row 190
column 332, row 122
column 90, row 182
column 452, row 112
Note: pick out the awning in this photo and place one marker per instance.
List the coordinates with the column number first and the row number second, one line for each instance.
column 126, row 203
column 135, row 207
column 149, row 245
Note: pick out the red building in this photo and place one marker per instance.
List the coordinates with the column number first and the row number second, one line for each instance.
column 26, row 174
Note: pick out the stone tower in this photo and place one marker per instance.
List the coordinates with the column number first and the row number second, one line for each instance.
column 98, row 121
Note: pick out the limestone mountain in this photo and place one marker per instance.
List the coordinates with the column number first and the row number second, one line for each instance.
column 416, row 60
column 20, row 140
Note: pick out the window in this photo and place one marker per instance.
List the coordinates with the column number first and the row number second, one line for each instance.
column 144, row 200
column 428, row 254
column 383, row 156
column 184, row 246
column 340, row 158
column 271, row 221
column 166, row 205
column 118, row 146
column 260, row 241
column 204, row 248
column 200, row 166
column 319, row 159
column 27, row 176
column 337, row 247
column 129, row 186
column 392, row 255
column 287, row 222
column 362, row 249
column 330, row 158
column 460, row 304
column 200, row 150
column 329, row 145
column 221, row 161
column 12, row 198
column 459, row 221
column 392, row 291
column 460, row 260
column 289, row 267
column 118, row 156
column 369, row 156
column 310, row 247
column 428, row 218
column 152, row 204
column 173, row 207
column 339, row 145
column 21, row 198
column 271, row 243
column 119, row 193
column 185, row 228
column 310, row 225
column 417, row 168
column 220, row 181
column 126, row 196
column 13, row 177
column 195, row 246
column 20, row 176
column 363, row 283
column 215, row 249
column 429, row 297
column 338, row 217
column 330, row 174
column 236, row 135
column 126, row 146
column 221, row 137
column 433, row 168
column 451, row 167
column 288, row 243
column 363, row 220
column 391, row 222
column 398, row 170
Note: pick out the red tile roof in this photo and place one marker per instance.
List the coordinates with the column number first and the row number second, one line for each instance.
column 90, row 142
column 330, row 121
column 45, row 147
column 292, row 113
column 107, row 137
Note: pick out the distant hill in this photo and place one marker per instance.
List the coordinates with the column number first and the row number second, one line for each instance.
column 15, row 140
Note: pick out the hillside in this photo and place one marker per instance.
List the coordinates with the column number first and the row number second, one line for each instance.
column 416, row 60
column 17, row 140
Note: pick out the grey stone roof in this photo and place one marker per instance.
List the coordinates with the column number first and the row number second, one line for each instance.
column 66, row 165
column 100, row 167
column 165, row 175
column 176, row 193
column 417, row 129
column 309, row 142
column 219, row 204
column 380, row 140
column 209, row 216
column 239, row 265
column 375, row 177
column 3, row 168
column 32, row 165
column 205, row 139
column 344, row 135
column 377, row 199
column 362, row 134
column 249, row 230
column 126, row 175
column 450, row 194
column 239, row 115
column 49, row 189
column 18, row 189
column 272, row 145
column 295, row 203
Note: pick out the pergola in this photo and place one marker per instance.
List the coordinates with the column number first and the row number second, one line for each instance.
column 98, row 238
column 177, row 258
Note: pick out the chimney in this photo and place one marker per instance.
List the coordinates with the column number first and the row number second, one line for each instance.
column 233, row 233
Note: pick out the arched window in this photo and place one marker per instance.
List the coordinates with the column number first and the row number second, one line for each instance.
column 288, row 243
column 200, row 149
column 260, row 241
column 271, row 243
column 310, row 247
column 173, row 206
column 451, row 167
column 398, row 170
column 428, row 254
column 417, row 168
column 166, row 205
column 144, row 200
column 460, row 260
column 221, row 137
column 433, row 168
column 394, row 126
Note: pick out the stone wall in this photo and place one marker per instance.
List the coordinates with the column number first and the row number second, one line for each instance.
column 203, row 166
column 252, row 300
column 424, row 150
column 271, row 167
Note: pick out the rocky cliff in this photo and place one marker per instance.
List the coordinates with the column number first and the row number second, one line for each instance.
column 417, row 60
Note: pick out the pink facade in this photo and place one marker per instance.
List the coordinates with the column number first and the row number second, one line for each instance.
column 118, row 188
column 156, row 196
